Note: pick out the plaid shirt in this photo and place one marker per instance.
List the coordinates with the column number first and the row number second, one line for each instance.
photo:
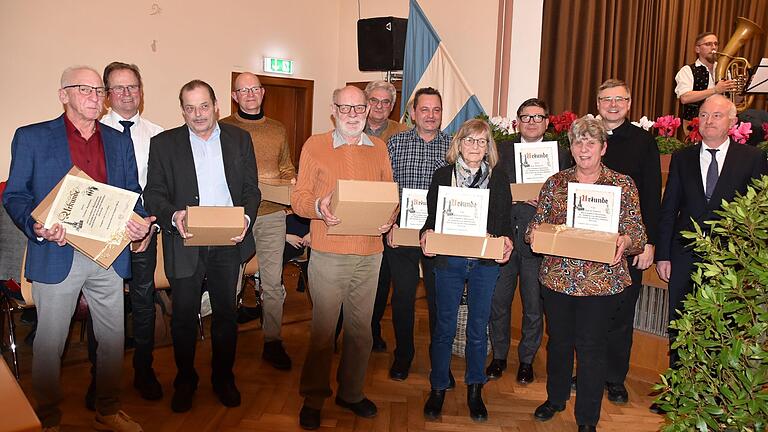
column 415, row 160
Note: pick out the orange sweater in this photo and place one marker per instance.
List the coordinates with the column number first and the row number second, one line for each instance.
column 319, row 168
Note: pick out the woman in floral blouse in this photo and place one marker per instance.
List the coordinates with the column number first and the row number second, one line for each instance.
column 580, row 297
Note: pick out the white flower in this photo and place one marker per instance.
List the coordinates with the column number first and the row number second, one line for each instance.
column 644, row 123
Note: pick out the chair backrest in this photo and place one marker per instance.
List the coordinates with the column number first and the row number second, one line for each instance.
column 252, row 266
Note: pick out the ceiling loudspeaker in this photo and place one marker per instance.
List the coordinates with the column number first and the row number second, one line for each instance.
column 381, row 43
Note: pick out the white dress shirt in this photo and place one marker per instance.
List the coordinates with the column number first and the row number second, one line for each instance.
column 705, row 158
column 142, row 131
column 684, row 78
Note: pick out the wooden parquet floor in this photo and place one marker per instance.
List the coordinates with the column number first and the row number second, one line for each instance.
column 271, row 400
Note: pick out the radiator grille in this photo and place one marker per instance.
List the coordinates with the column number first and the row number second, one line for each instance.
column 651, row 311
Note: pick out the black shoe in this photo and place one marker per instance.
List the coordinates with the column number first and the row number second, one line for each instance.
column 525, row 373
column 228, row 394
column 365, row 408
column 451, row 381
column 617, row 393
column 90, row 397
column 275, row 354
column 434, row 405
column 182, row 398
column 309, row 418
column 477, row 410
column 379, row 345
column 587, row 428
column 147, row 384
column 657, row 409
column 399, row 370
column 547, row 410
column 496, row 369
column 573, row 383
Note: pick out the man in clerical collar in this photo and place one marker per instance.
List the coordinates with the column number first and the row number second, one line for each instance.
column 343, row 269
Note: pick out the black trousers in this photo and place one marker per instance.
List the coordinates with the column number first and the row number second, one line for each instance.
column 404, row 267
column 142, row 294
column 580, row 325
column 622, row 328
column 680, row 285
column 219, row 266
column 382, row 295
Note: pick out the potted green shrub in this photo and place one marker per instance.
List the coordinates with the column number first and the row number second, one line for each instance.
column 721, row 382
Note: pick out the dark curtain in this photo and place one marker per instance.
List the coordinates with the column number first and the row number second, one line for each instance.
column 643, row 42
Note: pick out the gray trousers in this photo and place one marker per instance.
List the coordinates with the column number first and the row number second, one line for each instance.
column 336, row 280
column 526, row 265
column 269, row 233
column 55, row 303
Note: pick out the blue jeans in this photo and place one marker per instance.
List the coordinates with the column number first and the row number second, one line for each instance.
column 450, row 277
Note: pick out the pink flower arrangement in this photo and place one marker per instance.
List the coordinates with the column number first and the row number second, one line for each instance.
column 667, row 125
column 693, row 127
column 740, row 132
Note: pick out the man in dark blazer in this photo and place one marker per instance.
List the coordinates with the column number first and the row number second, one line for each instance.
column 533, row 119
column 202, row 163
column 42, row 154
column 700, row 178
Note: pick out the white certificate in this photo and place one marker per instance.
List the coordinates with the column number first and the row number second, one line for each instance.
column 413, row 208
column 535, row 162
column 462, row 211
column 594, row 207
column 90, row 209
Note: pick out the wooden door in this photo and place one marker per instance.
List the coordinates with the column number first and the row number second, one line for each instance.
column 289, row 101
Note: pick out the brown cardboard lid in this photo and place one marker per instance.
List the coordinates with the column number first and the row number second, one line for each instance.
column 214, row 217
column 367, row 191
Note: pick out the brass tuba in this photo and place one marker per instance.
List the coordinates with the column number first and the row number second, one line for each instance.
column 737, row 68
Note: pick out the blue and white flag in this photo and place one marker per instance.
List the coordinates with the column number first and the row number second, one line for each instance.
column 427, row 63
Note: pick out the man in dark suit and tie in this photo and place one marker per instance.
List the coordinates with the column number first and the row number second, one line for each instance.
column 202, row 163
column 533, row 119
column 42, row 154
column 700, row 178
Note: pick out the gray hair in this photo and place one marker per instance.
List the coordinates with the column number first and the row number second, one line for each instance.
column 384, row 85
column 587, row 127
column 68, row 72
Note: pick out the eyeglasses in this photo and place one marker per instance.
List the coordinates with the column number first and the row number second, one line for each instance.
column 617, row 99
column 375, row 102
column 709, row 44
column 86, row 90
column 245, row 90
column 133, row 88
column 714, row 115
column 537, row 118
column 345, row 109
column 480, row 142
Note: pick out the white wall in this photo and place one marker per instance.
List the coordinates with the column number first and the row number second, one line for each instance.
column 468, row 29
column 193, row 39
column 525, row 52
column 210, row 39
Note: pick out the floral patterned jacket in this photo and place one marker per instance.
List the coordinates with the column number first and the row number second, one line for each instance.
column 588, row 278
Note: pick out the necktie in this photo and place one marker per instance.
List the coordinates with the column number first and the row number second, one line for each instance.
column 126, row 126
column 712, row 175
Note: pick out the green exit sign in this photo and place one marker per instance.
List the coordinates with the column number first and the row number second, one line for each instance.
column 276, row 65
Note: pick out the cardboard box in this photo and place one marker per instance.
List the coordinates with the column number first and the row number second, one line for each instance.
column 576, row 243
column 276, row 190
column 465, row 246
column 405, row 237
column 363, row 206
column 213, row 226
column 101, row 253
column 525, row 191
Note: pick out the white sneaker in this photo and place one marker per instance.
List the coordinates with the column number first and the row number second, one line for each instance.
column 119, row 422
